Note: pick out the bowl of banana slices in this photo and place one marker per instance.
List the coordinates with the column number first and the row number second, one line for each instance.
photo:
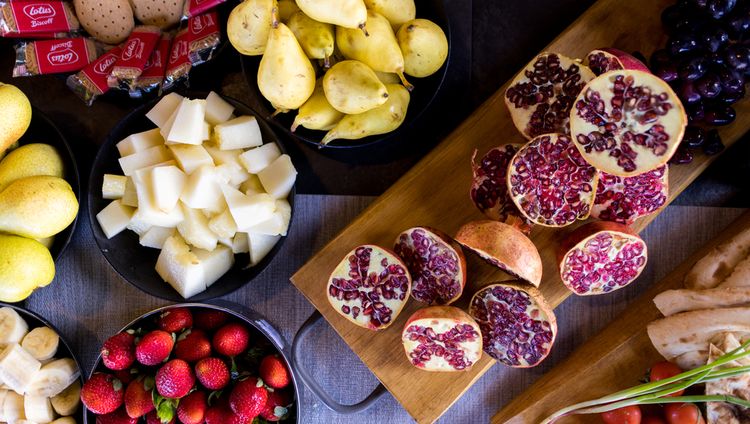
column 40, row 377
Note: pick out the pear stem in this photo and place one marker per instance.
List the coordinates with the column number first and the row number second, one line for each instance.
column 364, row 29
column 406, row 83
column 327, row 61
column 275, row 15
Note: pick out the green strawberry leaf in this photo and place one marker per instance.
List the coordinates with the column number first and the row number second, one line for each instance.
column 165, row 408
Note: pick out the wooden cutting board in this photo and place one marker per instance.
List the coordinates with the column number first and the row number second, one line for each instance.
column 436, row 193
column 613, row 360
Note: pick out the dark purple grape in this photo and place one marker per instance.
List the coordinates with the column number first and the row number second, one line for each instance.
column 709, row 86
column 681, row 44
column 713, row 143
column 720, row 8
column 688, row 93
column 713, row 38
column 722, row 115
column 695, row 112
column 694, row 137
column 666, row 72
column 659, row 58
column 692, row 69
column 731, row 98
column 738, row 23
column 731, row 81
column 682, row 156
column 737, row 57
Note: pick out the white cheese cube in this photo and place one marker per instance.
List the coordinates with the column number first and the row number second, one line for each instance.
column 138, row 142
column 167, row 127
column 255, row 160
column 202, row 190
column 223, row 225
column 278, row 178
column 167, row 184
column 160, row 113
column 248, row 210
column 240, row 243
column 278, row 223
column 232, row 174
column 147, row 211
column 114, row 218
column 252, row 185
column 155, row 237
column 190, row 157
column 217, row 109
column 180, row 267
column 138, row 225
column 113, row 186
column 239, row 133
column 215, row 263
column 194, row 229
column 130, row 196
column 187, row 127
column 221, row 157
column 260, row 245
column 144, row 158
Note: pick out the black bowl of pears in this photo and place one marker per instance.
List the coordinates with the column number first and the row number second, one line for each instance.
column 381, row 50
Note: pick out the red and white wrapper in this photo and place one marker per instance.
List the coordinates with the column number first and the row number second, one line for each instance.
column 91, row 81
column 53, row 56
column 205, row 35
column 37, row 19
column 178, row 65
column 135, row 53
column 155, row 69
column 197, row 7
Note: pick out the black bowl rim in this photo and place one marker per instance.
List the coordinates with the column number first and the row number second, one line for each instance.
column 24, row 311
column 374, row 139
column 247, row 315
column 140, row 110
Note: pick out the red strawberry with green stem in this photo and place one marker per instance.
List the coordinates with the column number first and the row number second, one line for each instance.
column 248, row 398
column 277, row 406
column 118, row 352
column 138, row 399
column 209, row 319
column 102, row 393
column 154, row 347
column 212, row 373
column 174, row 379
column 192, row 345
column 273, row 371
column 174, row 320
column 192, row 408
column 231, row 339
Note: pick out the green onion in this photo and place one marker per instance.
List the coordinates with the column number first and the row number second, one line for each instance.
column 654, row 392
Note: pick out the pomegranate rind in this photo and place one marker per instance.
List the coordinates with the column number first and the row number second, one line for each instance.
column 373, row 302
column 503, row 246
column 587, row 271
column 539, row 104
column 445, row 324
column 510, row 315
column 489, row 191
column 438, row 269
column 627, row 122
column 610, row 59
column 550, row 183
column 625, row 199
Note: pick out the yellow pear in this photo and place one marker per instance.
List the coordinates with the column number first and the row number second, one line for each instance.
column 317, row 113
column 37, row 207
column 383, row 119
column 287, row 8
column 29, row 160
column 249, row 24
column 396, row 11
column 344, row 13
column 286, row 77
column 15, row 115
column 379, row 50
column 352, row 87
column 424, row 46
column 26, row 265
column 316, row 38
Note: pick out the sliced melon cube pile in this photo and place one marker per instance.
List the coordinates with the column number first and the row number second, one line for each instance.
column 201, row 187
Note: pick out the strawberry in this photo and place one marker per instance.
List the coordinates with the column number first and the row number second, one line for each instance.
column 118, row 352
column 209, row 319
column 174, row 379
column 212, row 373
column 276, row 407
column 152, row 418
column 273, row 372
column 248, row 398
column 192, row 408
column 102, row 393
column 117, row 417
column 138, row 400
column 154, row 347
column 231, row 339
column 175, row 319
column 192, row 346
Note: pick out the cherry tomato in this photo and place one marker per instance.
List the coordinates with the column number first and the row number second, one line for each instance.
column 682, row 413
column 665, row 369
column 626, row 415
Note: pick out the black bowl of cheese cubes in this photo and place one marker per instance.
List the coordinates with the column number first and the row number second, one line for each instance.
column 190, row 197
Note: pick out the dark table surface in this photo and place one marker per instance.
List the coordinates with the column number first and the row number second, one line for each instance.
column 490, row 41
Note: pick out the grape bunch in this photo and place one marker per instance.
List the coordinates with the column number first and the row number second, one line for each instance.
column 706, row 61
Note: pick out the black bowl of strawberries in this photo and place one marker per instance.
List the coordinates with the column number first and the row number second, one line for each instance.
column 193, row 363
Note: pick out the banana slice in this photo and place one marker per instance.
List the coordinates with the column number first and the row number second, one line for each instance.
column 53, row 378
column 3, row 394
column 38, row 409
column 13, row 407
column 41, row 343
column 12, row 326
column 66, row 403
column 64, row 420
column 18, row 368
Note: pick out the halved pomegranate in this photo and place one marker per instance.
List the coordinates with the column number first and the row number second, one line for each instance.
column 601, row 257
column 518, row 326
column 369, row 287
column 625, row 199
column 503, row 246
column 436, row 264
column 540, row 97
column 550, row 183
column 442, row 338
column 627, row 122
column 609, row 59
